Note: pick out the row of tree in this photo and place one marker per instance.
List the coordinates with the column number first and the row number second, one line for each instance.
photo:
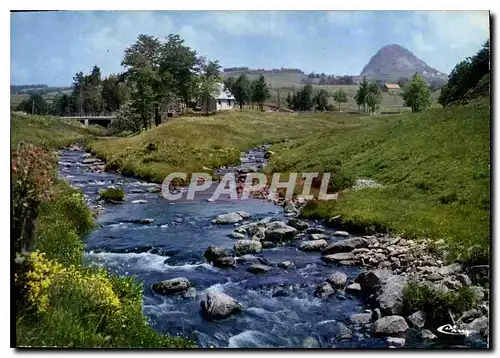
column 247, row 92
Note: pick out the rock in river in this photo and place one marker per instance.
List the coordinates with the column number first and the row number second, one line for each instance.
column 229, row 218
column 343, row 256
column 279, row 231
column 236, row 235
column 345, row 245
column 287, row 265
column 259, row 269
column 175, row 285
column 298, row 224
column 324, row 290
column 218, row 305
column 337, row 279
column 243, row 247
column 219, row 257
column 390, row 325
column 313, row 245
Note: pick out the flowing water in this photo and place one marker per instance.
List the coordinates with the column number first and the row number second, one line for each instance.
column 280, row 309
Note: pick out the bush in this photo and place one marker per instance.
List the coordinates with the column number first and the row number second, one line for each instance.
column 112, row 194
column 84, row 308
column 33, row 171
column 435, row 304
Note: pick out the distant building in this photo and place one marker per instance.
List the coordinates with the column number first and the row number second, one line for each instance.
column 391, row 88
column 223, row 100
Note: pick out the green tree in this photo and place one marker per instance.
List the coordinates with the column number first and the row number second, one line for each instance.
column 229, row 83
column 212, row 69
column 241, row 90
column 304, row 99
column 260, row 92
column 290, row 101
column 416, row 94
column 373, row 97
column 183, row 67
column 114, row 93
column 61, row 105
column 360, row 96
column 466, row 76
column 35, row 104
column 340, row 97
column 322, row 99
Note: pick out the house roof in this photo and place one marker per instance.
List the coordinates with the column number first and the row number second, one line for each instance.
column 392, row 86
column 223, row 94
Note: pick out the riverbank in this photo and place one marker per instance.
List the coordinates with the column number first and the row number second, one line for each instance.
column 205, row 143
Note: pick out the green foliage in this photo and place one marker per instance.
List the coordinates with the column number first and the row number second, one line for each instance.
column 360, row 96
column 340, row 97
column 64, row 220
column 112, row 194
column 35, row 104
column 373, row 97
column 416, row 94
column 437, row 305
column 260, row 91
column 126, row 120
column 321, row 99
column 466, row 75
column 241, row 90
column 33, row 171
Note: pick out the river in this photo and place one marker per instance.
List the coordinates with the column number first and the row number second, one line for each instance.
column 173, row 245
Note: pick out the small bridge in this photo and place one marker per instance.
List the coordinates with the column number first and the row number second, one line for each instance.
column 88, row 120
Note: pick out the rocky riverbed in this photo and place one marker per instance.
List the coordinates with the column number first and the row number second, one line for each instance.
column 251, row 274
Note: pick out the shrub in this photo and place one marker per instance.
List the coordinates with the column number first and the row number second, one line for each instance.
column 75, row 307
column 437, row 305
column 112, row 194
column 33, row 171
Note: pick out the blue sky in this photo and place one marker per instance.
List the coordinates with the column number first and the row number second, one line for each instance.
column 50, row 47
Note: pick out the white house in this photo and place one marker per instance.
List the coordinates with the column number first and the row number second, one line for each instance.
column 224, row 100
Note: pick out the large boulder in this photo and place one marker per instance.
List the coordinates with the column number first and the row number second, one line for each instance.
column 371, row 280
column 390, row 295
column 218, row 305
column 278, row 231
column 243, row 247
column 337, row 279
column 298, row 224
column 389, row 325
column 172, row 286
column 313, row 245
column 229, row 218
column 345, row 245
column 324, row 290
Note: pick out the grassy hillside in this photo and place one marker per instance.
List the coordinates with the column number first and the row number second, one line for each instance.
column 48, row 132
column 189, row 144
column 434, row 165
